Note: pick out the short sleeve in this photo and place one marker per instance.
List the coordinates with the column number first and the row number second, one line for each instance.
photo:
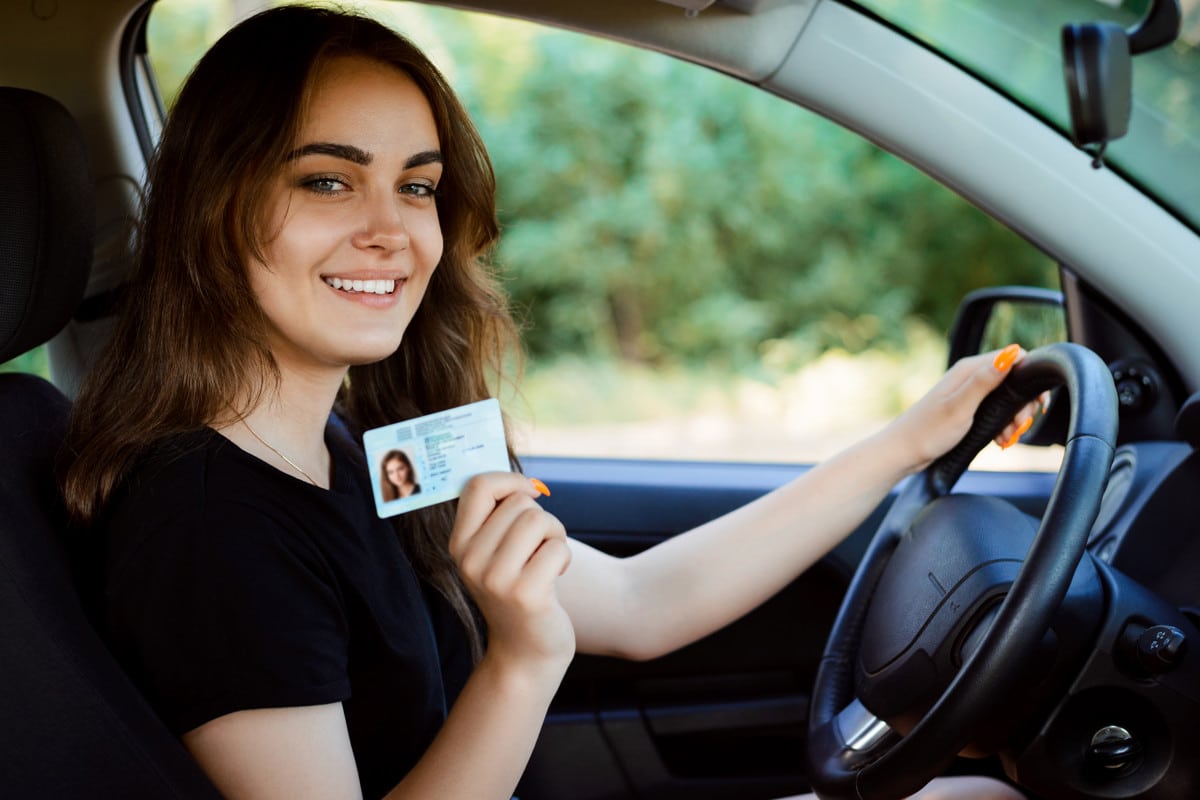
column 222, row 607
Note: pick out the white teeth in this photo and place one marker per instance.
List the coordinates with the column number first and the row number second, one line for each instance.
column 381, row 286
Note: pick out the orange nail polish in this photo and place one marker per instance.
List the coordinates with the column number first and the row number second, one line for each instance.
column 1006, row 357
column 1025, row 426
column 541, row 487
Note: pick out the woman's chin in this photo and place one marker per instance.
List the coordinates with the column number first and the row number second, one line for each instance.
column 371, row 354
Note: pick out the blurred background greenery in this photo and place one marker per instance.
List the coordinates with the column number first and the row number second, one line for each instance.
column 34, row 361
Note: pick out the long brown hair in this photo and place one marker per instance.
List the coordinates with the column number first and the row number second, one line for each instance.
column 191, row 338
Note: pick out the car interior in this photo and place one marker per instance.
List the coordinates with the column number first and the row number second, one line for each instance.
column 78, row 725
column 1045, row 623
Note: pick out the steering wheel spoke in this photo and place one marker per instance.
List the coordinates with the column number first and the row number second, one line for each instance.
column 861, row 730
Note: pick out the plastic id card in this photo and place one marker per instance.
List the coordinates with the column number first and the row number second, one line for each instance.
column 428, row 460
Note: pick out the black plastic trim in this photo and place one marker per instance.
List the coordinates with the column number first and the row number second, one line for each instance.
column 133, row 49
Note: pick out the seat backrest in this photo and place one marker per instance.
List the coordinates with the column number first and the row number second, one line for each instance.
column 73, row 724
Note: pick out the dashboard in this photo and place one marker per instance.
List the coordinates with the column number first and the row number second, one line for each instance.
column 1148, row 519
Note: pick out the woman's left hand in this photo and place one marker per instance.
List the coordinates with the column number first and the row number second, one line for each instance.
column 941, row 418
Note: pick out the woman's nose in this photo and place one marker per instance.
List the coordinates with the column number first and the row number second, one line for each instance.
column 384, row 226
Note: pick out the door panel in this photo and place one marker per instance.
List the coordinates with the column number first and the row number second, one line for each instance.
column 726, row 716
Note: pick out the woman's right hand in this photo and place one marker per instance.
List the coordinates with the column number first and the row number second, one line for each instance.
column 509, row 552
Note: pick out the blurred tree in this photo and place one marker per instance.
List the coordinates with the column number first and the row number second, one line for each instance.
column 655, row 210
column 178, row 33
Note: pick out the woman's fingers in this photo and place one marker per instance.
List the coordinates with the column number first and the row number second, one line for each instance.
column 985, row 372
column 480, row 497
column 500, row 531
column 1014, row 430
column 479, row 547
column 1022, row 421
column 960, row 391
column 501, row 554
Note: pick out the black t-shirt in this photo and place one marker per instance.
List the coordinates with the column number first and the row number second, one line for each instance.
column 230, row 585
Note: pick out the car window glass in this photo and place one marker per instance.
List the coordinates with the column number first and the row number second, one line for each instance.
column 33, row 362
column 1017, row 47
column 703, row 270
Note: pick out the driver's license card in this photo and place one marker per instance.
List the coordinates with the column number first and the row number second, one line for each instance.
column 429, row 459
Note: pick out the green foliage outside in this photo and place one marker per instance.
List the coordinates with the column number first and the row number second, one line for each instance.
column 659, row 213
column 34, row 361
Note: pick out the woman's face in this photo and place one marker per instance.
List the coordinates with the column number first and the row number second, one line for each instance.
column 352, row 223
column 397, row 472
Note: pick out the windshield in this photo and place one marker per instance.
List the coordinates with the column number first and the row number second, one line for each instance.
column 1016, row 47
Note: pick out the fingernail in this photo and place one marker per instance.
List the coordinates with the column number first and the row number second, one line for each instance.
column 1025, row 426
column 541, row 487
column 1006, row 357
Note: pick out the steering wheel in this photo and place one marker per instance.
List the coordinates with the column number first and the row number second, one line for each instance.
column 852, row 753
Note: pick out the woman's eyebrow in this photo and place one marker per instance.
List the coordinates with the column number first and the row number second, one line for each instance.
column 424, row 157
column 349, row 152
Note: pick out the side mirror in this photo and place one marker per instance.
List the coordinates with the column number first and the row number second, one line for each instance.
column 1099, row 74
column 988, row 319
column 991, row 318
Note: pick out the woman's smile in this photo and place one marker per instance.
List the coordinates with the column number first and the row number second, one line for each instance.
column 382, row 292
column 368, row 285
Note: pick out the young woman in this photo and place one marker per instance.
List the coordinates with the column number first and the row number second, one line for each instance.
column 397, row 477
column 310, row 242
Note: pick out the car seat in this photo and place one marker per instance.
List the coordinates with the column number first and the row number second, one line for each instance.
column 73, row 724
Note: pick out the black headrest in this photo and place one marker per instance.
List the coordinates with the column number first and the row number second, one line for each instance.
column 47, row 219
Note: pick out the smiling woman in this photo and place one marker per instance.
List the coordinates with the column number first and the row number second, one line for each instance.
column 215, row 482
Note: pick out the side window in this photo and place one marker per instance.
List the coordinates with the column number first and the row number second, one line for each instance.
column 702, row 270
column 33, row 362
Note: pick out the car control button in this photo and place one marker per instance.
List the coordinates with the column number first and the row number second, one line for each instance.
column 1135, row 387
column 1160, row 647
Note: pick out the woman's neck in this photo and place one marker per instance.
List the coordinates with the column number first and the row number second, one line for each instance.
column 286, row 426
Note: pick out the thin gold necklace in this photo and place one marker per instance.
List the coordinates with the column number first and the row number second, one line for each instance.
column 291, row 463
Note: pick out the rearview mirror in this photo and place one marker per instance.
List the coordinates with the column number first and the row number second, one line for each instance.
column 1099, row 74
column 1099, row 77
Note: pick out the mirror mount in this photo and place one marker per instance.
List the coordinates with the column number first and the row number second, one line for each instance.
column 1098, row 69
column 1157, row 29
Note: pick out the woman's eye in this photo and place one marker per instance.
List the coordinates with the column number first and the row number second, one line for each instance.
column 419, row 190
column 324, row 185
